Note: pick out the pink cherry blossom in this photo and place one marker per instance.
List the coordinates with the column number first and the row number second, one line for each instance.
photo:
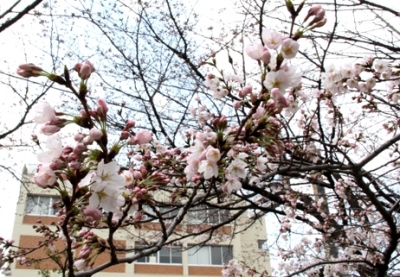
column 196, row 150
column 45, row 177
column 260, row 164
column 278, row 97
column 237, row 169
column 213, row 154
column 54, row 149
column 142, row 137
column 208, row 168
column 191, row 169
column 289, row 48
column 107, row 174
column 220, row 93
column 233, row 268
column 231, row 185
column 278, row 79
column 44, row 112
column 271, row 39
column 254, row 51
column 258, row 52
column 109, row 198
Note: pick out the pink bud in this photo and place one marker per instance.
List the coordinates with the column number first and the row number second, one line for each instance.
column 253, row 97
column 49, row 130
column 84, row 69
column 74, row 165
column 312, row 11
column 57, row 164
column 320, row 23
column 266, row 56
column 102, row 103
column 247, row 90
column 137, row 175
column 95, row 134
column 102, row 109
column 143, row 170
column 130, row 124
column 83, row 113
column 92, row 214
column 124, row 135
column 79, row 148
column 87, row 140
column 66, row 151
column 237, row 104
column 29, row 70
column 77, row 67
column 78, row 137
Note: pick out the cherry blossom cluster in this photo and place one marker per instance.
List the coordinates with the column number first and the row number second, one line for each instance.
column 226, row 152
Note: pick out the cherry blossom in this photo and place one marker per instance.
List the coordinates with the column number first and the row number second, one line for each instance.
column 44, row 112
column 271, row 39
column 54, row 149
column 232, row 184
column 142, row 137
column 208, row 168
column 45, row 177
column 289, row 48
column 237, row 168
column 107, row 175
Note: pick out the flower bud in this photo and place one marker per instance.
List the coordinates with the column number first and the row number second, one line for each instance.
column 29, row 70
column 130, row 124
column 95, row 134
column 237, row 104
column 84, row 69
column 247, row 90
column 49, row 130
column 124, row 135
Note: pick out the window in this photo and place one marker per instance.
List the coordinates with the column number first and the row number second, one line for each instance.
column 205, row 214
column 210, row 255
column 262, row 245
column 168, row 213
column 41, row 205
column 167, row 255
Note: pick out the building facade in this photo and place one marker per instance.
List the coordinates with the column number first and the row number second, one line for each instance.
column 184, row 259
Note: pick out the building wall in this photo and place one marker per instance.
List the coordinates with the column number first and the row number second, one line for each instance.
column 245, row 245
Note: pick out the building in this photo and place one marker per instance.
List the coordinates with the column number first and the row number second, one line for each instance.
column 35, row 204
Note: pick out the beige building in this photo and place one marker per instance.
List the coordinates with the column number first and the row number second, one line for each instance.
column 35, row 205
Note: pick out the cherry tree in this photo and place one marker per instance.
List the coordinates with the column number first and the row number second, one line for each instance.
column 275, row 130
